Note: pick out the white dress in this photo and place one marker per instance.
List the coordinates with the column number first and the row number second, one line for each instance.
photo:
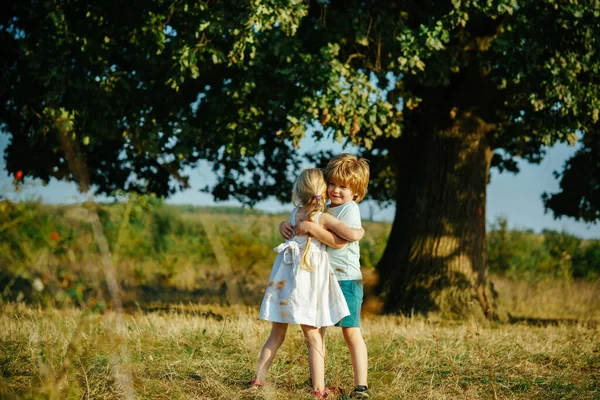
column 297, row 296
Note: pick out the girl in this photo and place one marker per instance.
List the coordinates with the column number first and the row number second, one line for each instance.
column 302, row 288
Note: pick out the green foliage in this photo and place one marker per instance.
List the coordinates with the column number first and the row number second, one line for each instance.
column 49, row 252
column 526, row 255
column 373, row 243
column 561, row 247
column 579, row 195
column 120, row 98
column 153, row 245
column 586, row 260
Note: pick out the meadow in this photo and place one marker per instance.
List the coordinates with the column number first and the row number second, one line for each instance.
column 187, row 327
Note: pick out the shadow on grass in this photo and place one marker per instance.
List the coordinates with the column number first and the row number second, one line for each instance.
column 147, row 298
column 161, row 296
column 544, row 322
column 157, row 297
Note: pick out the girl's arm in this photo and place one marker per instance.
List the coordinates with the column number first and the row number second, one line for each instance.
column 322, row 235
column 338, row 227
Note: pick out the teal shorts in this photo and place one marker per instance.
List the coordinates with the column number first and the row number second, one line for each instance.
column 353, row 293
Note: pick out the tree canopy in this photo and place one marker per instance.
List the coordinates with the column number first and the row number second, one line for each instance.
column 150, row 88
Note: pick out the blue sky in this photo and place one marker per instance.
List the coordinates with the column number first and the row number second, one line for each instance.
column 517, row 197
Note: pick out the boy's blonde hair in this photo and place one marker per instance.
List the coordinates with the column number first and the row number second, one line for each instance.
column 310, row 190
column 350, row 171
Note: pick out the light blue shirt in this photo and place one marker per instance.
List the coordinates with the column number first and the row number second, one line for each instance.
column 345, row 262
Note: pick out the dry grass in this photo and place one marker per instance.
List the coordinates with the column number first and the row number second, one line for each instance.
column 557, row 299
column 209, row 352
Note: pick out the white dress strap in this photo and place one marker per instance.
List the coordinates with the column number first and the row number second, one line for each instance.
column 317, row 217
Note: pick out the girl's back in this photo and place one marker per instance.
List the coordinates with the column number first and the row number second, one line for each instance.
column 309, row 296
column 298, row 216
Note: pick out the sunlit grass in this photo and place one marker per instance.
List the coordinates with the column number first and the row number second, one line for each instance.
column 209, row 352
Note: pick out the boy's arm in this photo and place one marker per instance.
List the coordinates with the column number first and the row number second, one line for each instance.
column 333, row 224
column 322, row 235
column 286, row 230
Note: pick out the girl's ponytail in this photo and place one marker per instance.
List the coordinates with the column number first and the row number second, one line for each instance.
column 318, row 202
column 310, row 192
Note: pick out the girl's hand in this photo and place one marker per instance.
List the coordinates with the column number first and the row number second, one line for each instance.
column 304, row 228
column 286, row 230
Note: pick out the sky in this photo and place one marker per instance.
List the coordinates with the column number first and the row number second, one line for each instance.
column 515, row 197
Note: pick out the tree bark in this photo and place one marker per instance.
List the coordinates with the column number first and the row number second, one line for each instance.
column 436, row 255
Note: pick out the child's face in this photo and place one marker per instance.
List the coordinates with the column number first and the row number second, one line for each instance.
column 339, row 194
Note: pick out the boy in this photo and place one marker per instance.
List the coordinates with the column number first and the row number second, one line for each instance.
column 347, row 180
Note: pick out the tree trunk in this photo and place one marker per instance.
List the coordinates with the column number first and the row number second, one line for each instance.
column 435, row 259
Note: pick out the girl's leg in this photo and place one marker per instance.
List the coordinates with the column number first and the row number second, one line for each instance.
column 316, row 356
column 269, row 350
column 322, row 333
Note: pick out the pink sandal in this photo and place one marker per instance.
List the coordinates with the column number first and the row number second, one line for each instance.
column 324, row 394
column 255, row 383
column 328, row 392
column 320, row 395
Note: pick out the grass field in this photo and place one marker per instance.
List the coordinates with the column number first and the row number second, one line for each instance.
column 208, row 352
column 178, row 340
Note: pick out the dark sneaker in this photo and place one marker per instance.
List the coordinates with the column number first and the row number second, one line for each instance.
column 361, row 392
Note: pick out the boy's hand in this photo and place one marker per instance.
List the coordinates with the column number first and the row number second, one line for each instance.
column 304, row 227
column 286, row 230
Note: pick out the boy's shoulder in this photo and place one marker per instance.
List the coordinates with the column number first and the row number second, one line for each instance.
column 351, row 205
column 349, row 209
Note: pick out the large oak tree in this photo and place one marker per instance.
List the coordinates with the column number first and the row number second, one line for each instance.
column 433, row 93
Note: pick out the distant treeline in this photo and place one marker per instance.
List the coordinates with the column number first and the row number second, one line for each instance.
column 228, row 210
column 524, row 254
column 54, row 248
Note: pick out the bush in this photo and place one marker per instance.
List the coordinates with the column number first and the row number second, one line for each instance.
column 51, row 250
column 525, row 255
column 586, row 260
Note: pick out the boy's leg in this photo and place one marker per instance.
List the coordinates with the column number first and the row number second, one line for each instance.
column 358, row 354
column 353, row 293
column 269, row 350
column 316, row 356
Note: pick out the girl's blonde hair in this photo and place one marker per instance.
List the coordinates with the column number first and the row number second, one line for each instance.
column 310, row 191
